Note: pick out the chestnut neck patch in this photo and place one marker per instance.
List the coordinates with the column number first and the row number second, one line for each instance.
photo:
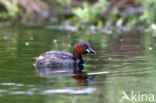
column 78, row 50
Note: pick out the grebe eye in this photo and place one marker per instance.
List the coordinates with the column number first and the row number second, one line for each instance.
column 85, row 47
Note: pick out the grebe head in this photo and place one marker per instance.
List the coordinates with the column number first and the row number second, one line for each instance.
column 82, row 48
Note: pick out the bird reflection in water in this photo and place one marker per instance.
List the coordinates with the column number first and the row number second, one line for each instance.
column 81, row 77
column 76, row 73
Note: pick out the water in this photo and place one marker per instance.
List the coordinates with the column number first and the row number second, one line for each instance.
column 124, row 62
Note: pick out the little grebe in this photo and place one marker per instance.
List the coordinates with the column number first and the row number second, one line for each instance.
column 62, row 59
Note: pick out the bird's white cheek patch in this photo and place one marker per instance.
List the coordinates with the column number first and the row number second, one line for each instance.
column 88, row 51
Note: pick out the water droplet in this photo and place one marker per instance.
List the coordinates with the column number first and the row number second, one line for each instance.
column 31, row 38
column 5, row 37
column 55, row 41
column 150, row 48
column 69, row 45
column 26, row 43
column 109, row 58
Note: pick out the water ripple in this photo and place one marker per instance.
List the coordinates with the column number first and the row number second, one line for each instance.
column 69, row 91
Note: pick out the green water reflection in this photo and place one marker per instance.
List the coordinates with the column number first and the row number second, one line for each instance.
column 124, row 62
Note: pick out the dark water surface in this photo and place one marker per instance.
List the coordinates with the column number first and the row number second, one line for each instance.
column 125, row 62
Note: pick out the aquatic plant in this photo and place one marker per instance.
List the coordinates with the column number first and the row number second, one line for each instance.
column 148, row 18
column 9, row 9
column 103, row 14
column 90, row 14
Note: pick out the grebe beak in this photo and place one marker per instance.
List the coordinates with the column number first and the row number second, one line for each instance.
column 90, row 50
